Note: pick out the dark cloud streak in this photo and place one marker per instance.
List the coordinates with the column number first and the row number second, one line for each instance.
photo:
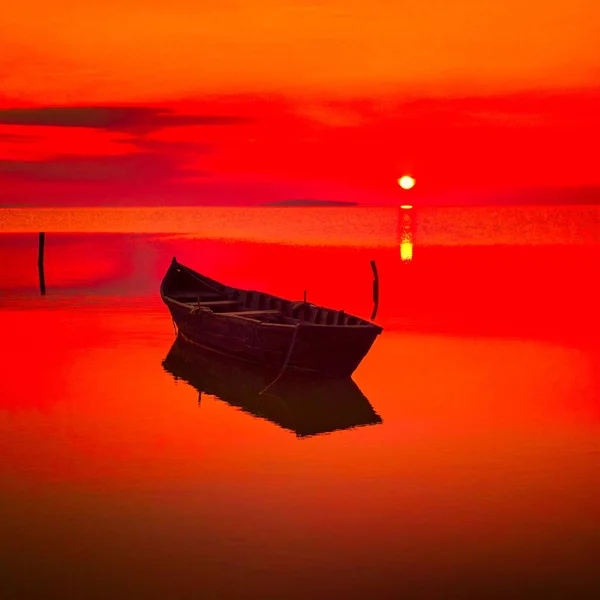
column 129, row 119
column 17, row 139
column 150, row 145
column 141, row 168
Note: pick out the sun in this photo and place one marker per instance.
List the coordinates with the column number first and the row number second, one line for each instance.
column 406, row 182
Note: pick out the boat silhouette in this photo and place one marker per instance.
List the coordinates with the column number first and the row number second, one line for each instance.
column 304, row 405
column 264, row 329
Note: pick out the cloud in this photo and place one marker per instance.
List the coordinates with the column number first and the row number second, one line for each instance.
column 141, row 163
column 141, row 168
column 130, row 119
column 179, row 146
column 17, row 139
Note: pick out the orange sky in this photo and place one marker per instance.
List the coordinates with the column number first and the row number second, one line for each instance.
column 342, row 97
column 109, row 50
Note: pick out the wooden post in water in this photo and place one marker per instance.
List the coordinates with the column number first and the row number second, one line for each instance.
column 41, row 264
column 375, row 289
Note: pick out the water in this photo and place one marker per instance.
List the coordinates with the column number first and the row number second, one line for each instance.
column 480, row 481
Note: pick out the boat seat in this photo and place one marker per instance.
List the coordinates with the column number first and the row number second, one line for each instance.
column 217, row 302
column 194, row 297
column 244, row 313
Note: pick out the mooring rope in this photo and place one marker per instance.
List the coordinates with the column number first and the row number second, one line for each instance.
column 200, row 308
column 285, row 362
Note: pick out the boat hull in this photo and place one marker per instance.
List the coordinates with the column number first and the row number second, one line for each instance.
column 315, row 349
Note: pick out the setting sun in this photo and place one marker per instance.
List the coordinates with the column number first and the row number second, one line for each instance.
column 406, row 182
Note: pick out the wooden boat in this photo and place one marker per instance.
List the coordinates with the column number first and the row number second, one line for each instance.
column 304, row 405
column 265, row 329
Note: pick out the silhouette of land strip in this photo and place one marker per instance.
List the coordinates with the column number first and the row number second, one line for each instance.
column 302, row 405
column 309, row 202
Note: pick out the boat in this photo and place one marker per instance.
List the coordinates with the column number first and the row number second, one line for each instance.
column 264, row 329
column 306, row 406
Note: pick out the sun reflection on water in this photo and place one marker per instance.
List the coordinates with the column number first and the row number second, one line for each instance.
column 406, row 237
column 406, row 250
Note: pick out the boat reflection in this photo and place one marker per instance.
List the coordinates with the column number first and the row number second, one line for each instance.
column 303, row 405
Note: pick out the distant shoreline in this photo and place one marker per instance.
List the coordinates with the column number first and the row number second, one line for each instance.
column 308, row 203
column 414, row 205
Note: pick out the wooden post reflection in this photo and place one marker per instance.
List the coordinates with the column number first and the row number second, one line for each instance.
column 375, row 289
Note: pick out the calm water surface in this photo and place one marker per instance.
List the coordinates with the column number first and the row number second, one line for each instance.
column 481, row 480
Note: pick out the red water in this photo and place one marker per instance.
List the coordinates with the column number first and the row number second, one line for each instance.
column 481, row 482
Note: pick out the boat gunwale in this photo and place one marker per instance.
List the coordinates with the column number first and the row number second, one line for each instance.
column 189, row 307
column 363, row 325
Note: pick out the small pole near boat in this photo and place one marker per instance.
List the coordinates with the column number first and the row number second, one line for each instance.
column 304, row 295
column 41, row 242
column 375, row 289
